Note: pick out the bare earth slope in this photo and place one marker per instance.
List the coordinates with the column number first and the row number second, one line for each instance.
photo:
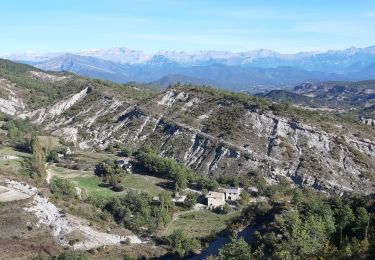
column 61, row 225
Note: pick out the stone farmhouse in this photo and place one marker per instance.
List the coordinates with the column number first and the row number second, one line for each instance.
column 218, row 199
column 215, row 199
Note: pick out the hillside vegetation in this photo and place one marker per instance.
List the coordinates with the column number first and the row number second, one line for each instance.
column 136, row 161
column 208, row 130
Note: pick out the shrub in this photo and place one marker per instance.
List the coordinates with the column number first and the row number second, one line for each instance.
column 191, row 200
column 72, row 255
column 222, row 210
column 63, row 188
column 126, row 151
column 236, row 249
column 53, row 156
column 118, row 187
column 181, row 244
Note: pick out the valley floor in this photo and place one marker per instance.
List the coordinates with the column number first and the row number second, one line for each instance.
column 28, row 212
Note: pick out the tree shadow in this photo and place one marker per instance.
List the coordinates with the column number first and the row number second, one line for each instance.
column 166, row 185
column 104, row 185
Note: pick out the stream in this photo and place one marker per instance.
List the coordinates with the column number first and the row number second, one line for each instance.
column 220, row 240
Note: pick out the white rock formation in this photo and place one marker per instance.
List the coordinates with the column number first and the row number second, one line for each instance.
column 60, row 224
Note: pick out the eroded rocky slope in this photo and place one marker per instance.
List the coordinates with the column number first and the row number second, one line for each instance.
column 216, row 134
column 62, row 225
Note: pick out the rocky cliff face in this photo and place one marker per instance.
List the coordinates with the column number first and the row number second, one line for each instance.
column 219, row 136
column 41, row 115
column 10, row 103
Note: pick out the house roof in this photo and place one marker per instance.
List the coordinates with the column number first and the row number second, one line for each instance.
column 232, row 190
column 213, row 194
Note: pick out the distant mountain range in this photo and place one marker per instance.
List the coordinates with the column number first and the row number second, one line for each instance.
column 339, row 96
column 248, row 71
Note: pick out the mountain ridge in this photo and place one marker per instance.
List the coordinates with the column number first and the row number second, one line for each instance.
column 251, row 71
column 130, row 56
column 216, row 132
column 217, row 74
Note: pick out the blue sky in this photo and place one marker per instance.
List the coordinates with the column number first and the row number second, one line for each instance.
column 151, row 25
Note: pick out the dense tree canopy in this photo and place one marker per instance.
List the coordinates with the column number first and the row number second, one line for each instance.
column 111, row 173
column 181, row 244
column 150, row 162
column 137, row 210
column 308, row 225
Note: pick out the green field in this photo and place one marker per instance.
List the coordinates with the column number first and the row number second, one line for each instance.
column 200, row 223
column 88, row 181
column 11, row 151
column 12, row 165
column 69, row 173
column 89, row 159
column 144, row 183
column 92, row 186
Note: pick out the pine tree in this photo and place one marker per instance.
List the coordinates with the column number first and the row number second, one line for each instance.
column 38, row 164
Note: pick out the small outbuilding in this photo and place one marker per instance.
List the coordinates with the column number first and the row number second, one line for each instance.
column 232, row 194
